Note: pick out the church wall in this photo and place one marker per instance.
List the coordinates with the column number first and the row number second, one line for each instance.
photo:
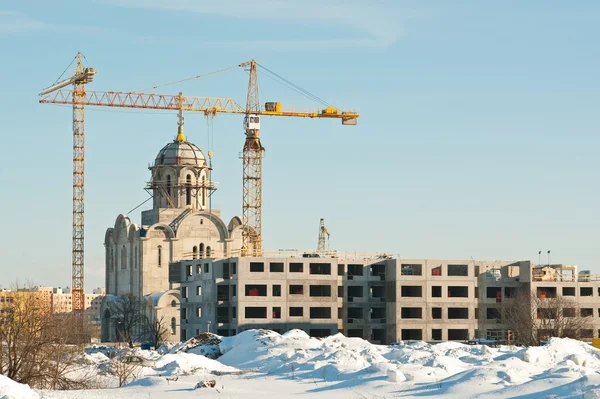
column 169, row 314
column 156, row 254
column 199, row 232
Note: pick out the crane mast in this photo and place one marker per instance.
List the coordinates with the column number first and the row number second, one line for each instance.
column 252, row 157
column 81, row 77
column 323, row 236
column 77, row 289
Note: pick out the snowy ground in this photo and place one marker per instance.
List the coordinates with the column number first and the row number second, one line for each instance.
column 263, row 364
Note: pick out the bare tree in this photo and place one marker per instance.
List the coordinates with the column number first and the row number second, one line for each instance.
column 126, row 312
column 125, row 371
column 533, row 319
column 156, row 331
column 520, row 318
column 35, row 343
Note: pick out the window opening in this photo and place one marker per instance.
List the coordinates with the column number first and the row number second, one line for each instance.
column 257, row 267
column 124, row 258
column 276, row 290
column 458, row 292
column 412, row 313
column 296, row 267
column 355, row 270
column 256, row 290
column 188, row 190
column 277, row 312
column 296, row 289
column 296, row 311
column 255, row 312
column 412, row 334
column 276, row 267
column 458, row 270
column 320, row 290
column 458, row 313
column 412, row 291
column 320, row 313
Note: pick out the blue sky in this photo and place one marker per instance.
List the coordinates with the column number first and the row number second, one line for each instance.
column 478, row 134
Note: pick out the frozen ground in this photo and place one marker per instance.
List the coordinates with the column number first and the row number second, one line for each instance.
column 263, row 364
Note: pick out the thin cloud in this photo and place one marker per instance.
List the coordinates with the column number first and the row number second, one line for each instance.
column 14, row 22
column 325, row 44
column 378, row 26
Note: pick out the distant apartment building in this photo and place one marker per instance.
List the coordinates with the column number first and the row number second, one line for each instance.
column 381, row 300
column 59, row 300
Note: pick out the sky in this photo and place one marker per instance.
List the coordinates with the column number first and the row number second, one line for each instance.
column 477, row 137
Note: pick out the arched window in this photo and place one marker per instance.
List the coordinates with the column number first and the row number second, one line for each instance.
column 173, row 303
column 124, row 258
column 208, row 252
column 195, row 252
column 159, row 255
column 203, row 191
column 169, row 185
column 111, row 263
column 188, row 190
column 173, row 326
column 202, row 250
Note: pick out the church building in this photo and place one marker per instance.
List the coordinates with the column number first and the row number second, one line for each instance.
column 180, row 225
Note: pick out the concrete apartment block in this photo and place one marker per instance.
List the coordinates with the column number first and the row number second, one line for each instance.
column 231, row 295
column 382, row 300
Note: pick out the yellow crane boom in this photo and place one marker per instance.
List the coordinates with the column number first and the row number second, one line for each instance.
column 176, row 102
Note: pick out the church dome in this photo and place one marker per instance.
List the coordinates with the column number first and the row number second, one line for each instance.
column 180, row 152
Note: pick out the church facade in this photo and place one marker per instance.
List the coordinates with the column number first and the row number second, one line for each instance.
column 180, row 225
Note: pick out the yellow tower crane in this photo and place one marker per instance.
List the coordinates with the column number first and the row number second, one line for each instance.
column 253, row 150
column 81, row 77
column 323, row 236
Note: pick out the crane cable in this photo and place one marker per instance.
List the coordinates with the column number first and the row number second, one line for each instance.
column 295, row 87
column 62, row 74
column 185, row 80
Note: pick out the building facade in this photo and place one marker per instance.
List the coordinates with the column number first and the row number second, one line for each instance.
column 382, row 300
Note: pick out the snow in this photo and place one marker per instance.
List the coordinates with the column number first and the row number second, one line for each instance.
column 262, row 363
column 10, row 389
column 189, row 363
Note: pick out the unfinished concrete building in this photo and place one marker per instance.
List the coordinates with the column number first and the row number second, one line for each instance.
column 382, row 300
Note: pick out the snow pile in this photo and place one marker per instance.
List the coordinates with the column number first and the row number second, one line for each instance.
column 205, row 344
column 337, row 366
column 189, row 363
column 93, row 358
column 10, row 389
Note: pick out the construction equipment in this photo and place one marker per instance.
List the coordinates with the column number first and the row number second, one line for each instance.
column 253, row 150
column 323, row 236
column 81, row 77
